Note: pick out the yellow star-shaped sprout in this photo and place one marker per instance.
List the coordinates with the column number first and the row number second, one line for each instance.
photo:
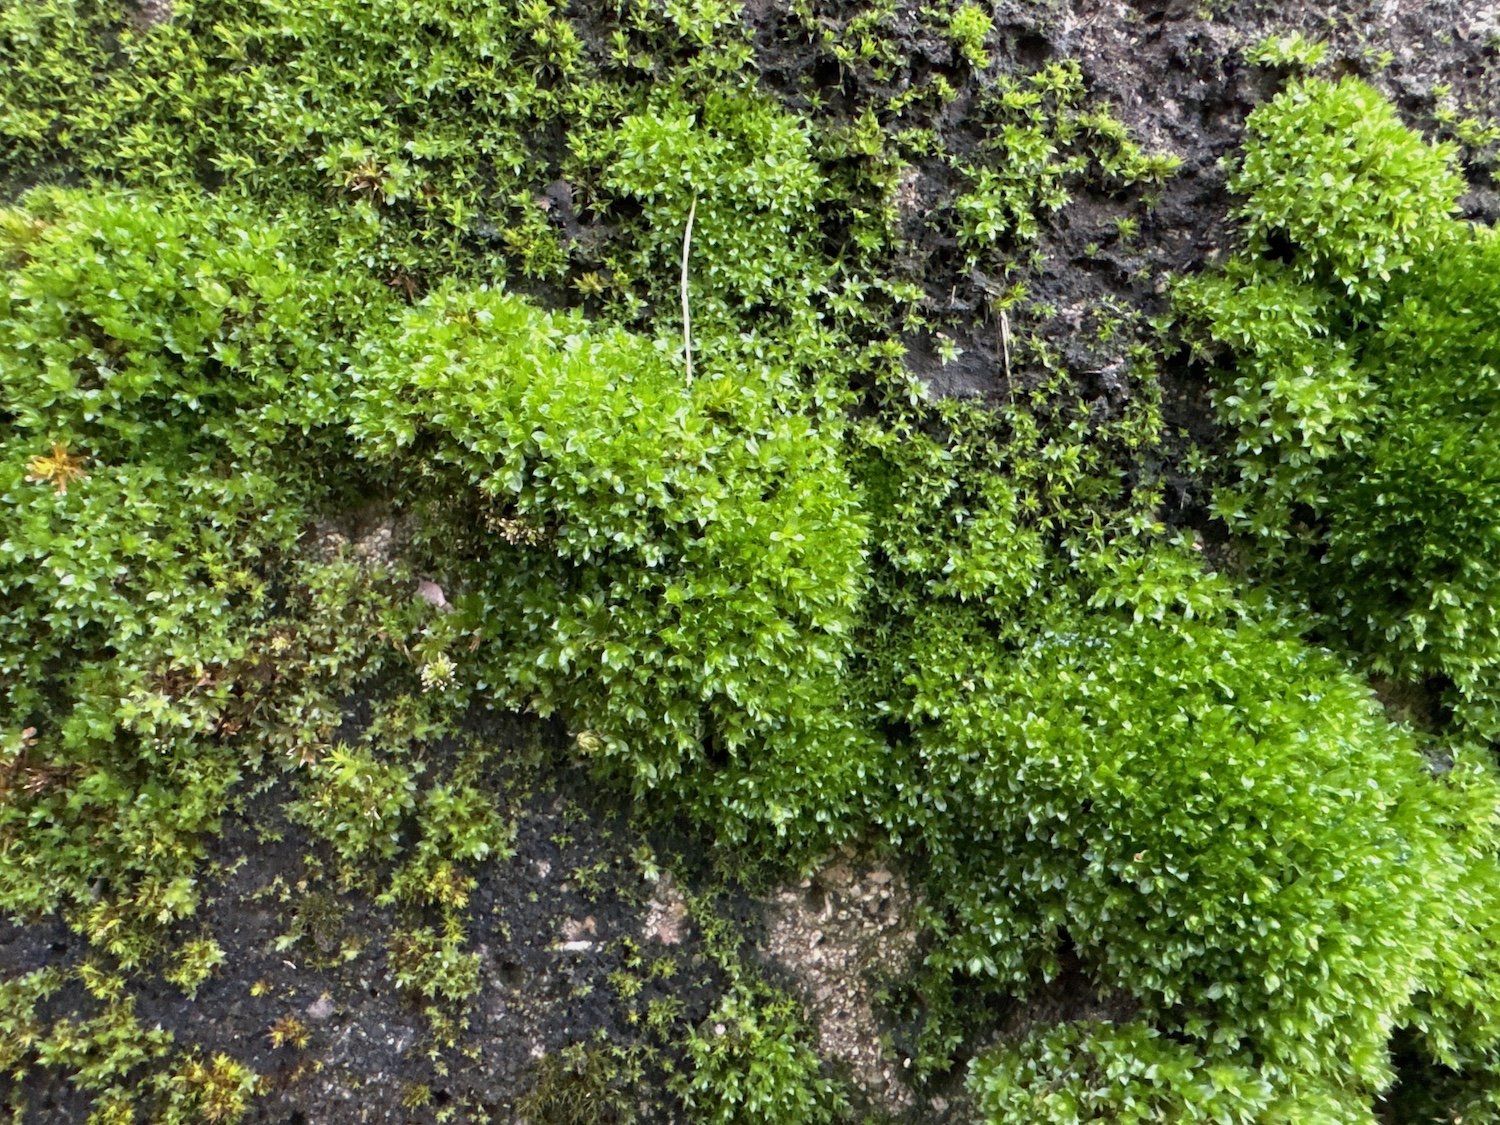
column 58, row 468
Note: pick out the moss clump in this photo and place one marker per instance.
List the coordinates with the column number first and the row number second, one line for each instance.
column 1129, row 1073
column 1329, row 168
column 1358, row 382
column 1183, row 825
column 1355, row 333
column 968, row 27
column 127, row 1067
column 690, row 567
column 169, row 376
column 585, row 1084
column 751, row 1062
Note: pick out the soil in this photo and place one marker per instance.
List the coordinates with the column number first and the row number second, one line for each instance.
column 575, row 906
column 841, row 935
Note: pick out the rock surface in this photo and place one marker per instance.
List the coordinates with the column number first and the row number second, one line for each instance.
column 841, row 935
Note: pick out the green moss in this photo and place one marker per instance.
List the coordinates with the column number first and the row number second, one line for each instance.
column 968, row 27
column 124, row 1067
column 1043, row 135
column 357, row 802
column 1129, row 1073
column 1358, row 385
column 1184, row 825
column 1293, row 51
column 690, row 568
column 194, row 963
column 747, row 172
column 293, row 275
column 586, row 1084
column 1330, row 168
column 170, row 378
column 1358, row 370
column 751, row 1062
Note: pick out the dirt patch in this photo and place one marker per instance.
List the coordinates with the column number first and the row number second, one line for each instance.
column 666, row 920
column 564, row 964
column 840, row 934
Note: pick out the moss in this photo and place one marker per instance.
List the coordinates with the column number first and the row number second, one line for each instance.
column 689, row 600
column 751, row 1062
column 440, row 253
column 1127, row 1072
column 1356, row 384
column 584, row 1084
